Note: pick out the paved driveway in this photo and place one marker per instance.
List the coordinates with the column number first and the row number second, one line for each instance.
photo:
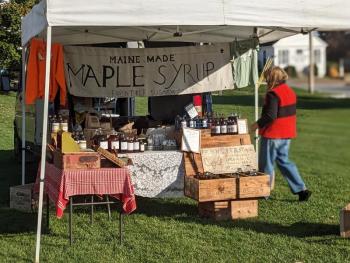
column 336, row 88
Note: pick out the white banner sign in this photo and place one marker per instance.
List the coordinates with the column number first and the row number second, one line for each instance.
column 130, row 72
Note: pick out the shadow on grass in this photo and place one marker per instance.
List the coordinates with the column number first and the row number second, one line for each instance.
column 14, row 222
column 188, row 213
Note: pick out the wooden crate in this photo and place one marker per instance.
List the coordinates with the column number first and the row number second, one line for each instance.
column 78, row 160
column 210, row 190
column 345, row 221
column 254, row 186
column 229, row 210
column 209, row 141
column 21, row 197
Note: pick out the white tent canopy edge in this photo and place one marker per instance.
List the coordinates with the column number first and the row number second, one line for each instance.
column 87, row 21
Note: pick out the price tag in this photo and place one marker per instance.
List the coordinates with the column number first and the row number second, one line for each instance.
column 191, row 140
column 242, row 126
column 191, row 111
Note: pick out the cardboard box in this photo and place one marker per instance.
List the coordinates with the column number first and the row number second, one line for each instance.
column 21, row 197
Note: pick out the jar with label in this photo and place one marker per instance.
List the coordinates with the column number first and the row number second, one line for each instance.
column 142, row 146
column 136, row 145
column 130, row 143
column 64, row 125
column 113, row 142
column 123, row 144
column 55, row 126
column 82, row 141
column 103, row 142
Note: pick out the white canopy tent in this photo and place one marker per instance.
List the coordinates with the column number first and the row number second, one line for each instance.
column 88, row 21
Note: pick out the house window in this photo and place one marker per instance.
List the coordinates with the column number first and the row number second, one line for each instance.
column 283, row 57
column 299, row 51
column 317, row 54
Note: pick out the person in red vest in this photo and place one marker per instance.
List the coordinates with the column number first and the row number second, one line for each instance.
column 277, row 126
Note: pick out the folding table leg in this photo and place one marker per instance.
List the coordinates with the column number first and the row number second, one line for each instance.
column 92, row 210
column 47, row 214
column 108, row 208
column 70, row 220
column 121, row 227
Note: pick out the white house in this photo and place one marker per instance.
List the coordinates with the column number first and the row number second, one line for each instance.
column 294, row 51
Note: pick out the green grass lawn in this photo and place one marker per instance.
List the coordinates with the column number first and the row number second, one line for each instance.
column 171, row 231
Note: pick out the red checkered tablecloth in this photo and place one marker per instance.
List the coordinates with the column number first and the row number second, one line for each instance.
column 62, row 184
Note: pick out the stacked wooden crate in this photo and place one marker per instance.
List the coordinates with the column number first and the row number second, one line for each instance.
column 223, row 198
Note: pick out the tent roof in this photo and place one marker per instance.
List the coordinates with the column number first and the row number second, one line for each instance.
column 91, row 21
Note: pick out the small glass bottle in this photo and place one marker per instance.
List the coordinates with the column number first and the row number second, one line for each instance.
column 142, row 146
column 223, row 125
column 82, row 141
column 64, row 124
column 123, row 144
column 136, row 145
column 217, row 126
column 130, row 143
column 55, row 127
column 103, row 141
column 113, row 142
column 205, row 122
column 183, row 122
column 192, row 123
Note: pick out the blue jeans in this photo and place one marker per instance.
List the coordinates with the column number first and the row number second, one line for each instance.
column 276, row 150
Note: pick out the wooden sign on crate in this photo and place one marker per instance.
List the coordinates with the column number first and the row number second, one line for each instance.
column 221, row 160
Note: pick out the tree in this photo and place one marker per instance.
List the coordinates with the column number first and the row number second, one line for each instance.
column 10, row 32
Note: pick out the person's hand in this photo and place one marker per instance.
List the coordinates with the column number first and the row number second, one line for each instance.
column 254, row 126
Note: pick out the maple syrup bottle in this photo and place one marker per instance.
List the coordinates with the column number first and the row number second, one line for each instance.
column 113, row 142
column 217, row 126
column 142, row 146
column 82, row 141
column 103, row 142
column 223, row 125
column 123, row 144
column 55, row 126
column 235, row 125
column 136, row 145
column 130, row 143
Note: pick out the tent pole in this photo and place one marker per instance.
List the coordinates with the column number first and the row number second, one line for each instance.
column 256, row 106
column 43, row 142
column 311, row 65
column 24, row 69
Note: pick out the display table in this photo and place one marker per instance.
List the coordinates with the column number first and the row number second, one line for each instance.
column 60, row 185
column 157, row 173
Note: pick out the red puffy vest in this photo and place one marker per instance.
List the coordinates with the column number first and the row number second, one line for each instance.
column 284, row 126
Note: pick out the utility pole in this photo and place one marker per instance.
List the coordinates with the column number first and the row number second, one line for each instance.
column 311, row 65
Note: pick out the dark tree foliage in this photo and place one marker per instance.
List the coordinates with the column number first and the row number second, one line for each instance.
column 10, row 32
